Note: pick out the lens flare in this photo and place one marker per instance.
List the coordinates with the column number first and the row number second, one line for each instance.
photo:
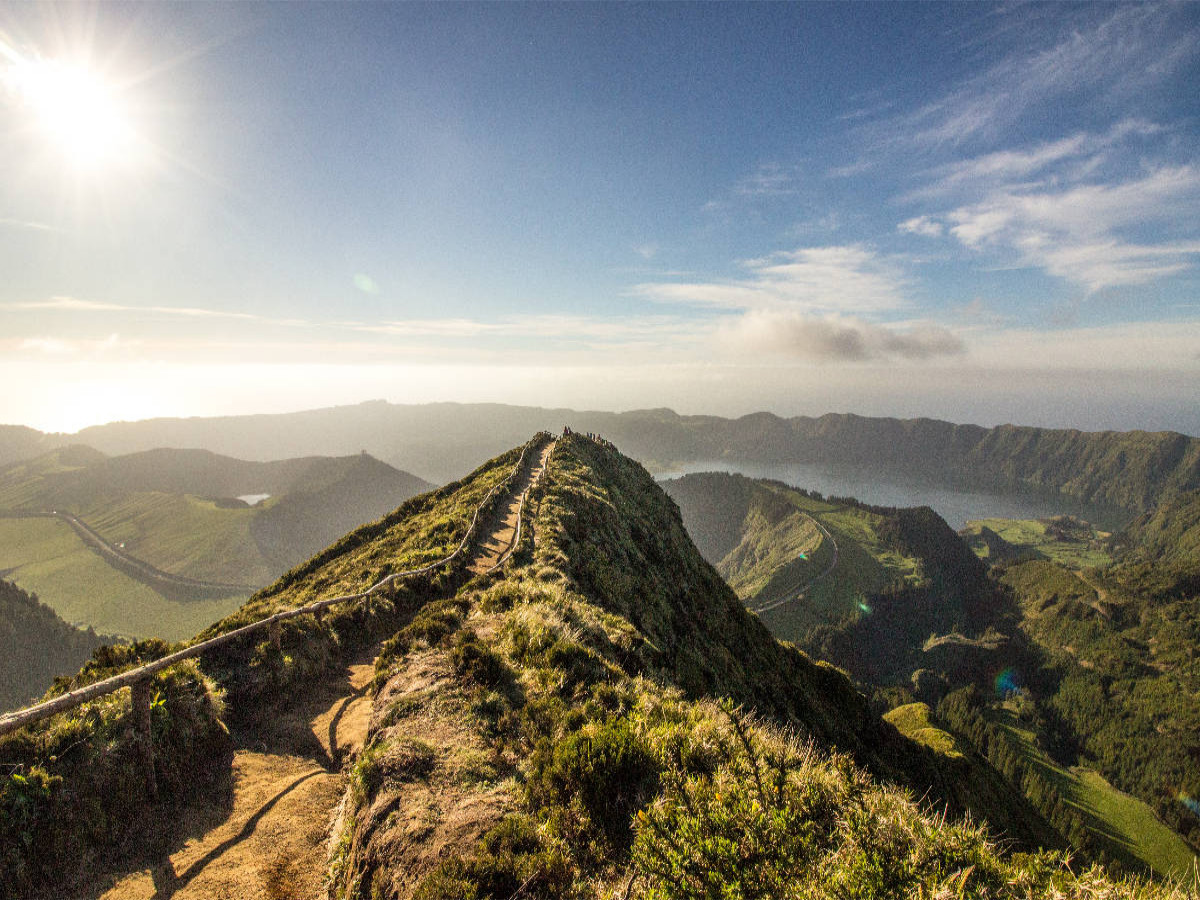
column 865, row 609
column 1007, row 682
column 1190, row 802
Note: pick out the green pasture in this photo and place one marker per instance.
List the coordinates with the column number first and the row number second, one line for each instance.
column 184, row 535
column 1030, row 537
column 46, row 557
column 1127, row 826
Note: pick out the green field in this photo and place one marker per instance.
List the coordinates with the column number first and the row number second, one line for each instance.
column 1125, row 824
column 46, row 557
column 912, row 720
column 1034, row 539
column 184, row 535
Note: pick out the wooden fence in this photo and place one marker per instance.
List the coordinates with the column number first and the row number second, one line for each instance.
column 138, row 679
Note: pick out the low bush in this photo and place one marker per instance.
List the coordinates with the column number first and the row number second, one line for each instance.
column 591, row 783
column 512, row 859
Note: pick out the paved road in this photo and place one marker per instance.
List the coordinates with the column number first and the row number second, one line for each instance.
column 154, row 578
column 799, row 595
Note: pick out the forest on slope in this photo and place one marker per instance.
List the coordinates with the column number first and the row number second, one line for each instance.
column 1039, row 664
column 36, row 646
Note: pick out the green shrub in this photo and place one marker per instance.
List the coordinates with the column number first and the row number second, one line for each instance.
column 592, row 781
column 478, row 663
column 391, row 761
column 513, row 857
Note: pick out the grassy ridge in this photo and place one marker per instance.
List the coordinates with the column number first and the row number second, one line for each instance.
column 557, row 732
column 73, row 789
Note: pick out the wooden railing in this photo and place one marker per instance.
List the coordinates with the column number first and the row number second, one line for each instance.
column 516, row 541
column 138, row 679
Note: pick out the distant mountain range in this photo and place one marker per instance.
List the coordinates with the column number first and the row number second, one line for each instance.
column 441, row 441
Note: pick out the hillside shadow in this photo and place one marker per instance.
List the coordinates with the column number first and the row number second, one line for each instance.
column 163, row 829
column 167, row 882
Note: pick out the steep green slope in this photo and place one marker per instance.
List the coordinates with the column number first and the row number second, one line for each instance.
column 1122, row 677
column 882, row 633
column 73, row 789
column 861, row 586
column 46, row 557
column 555, row 732
column 18, row 442
column 176, row 511
column 1102, row 669
column 35, row 646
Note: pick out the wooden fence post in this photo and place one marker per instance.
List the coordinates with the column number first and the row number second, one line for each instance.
column 140, row 698
column 276, row 633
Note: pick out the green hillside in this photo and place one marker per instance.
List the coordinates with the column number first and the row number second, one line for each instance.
column 1126, row 470
column 947, row 627
column 35, row 647
column 603, row 718
column 177, row 512
column 1063, row 539
column 46, row 557
column 863, row 587
column 558, row 728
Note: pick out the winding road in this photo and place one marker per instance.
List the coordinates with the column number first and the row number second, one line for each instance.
column 799, row 595
column 173, row 587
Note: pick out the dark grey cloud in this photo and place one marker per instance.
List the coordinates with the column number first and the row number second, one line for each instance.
column 838, row 339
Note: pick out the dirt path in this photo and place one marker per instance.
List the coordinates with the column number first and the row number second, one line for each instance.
column 504, row 533
column 268, row 842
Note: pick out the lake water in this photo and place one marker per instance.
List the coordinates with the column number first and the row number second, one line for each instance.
column 253, row 499
column 957, row 506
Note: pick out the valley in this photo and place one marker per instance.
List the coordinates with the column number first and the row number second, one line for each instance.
column 158, row 544
column 994, row 672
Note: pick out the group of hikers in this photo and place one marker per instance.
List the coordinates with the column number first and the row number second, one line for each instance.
column 591, row 436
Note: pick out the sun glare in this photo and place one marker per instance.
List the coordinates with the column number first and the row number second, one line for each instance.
column 77, row 111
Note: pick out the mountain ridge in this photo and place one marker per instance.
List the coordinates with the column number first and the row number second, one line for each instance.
column 1132, row 470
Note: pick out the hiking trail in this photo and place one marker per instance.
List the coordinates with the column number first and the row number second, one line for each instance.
column 269, row 840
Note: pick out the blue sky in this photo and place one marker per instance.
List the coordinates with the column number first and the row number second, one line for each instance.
column 977, row 212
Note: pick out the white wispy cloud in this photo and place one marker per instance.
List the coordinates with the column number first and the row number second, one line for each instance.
column 27, row 225
column 1129, row 48
column 770, row 180
column 75, row 304
column 1003, row 166
column 1081, row 233
column 922, row 225
column 550, row 331
column 835, row 278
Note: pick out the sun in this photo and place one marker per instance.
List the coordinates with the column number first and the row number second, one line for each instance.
column 76, row 110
